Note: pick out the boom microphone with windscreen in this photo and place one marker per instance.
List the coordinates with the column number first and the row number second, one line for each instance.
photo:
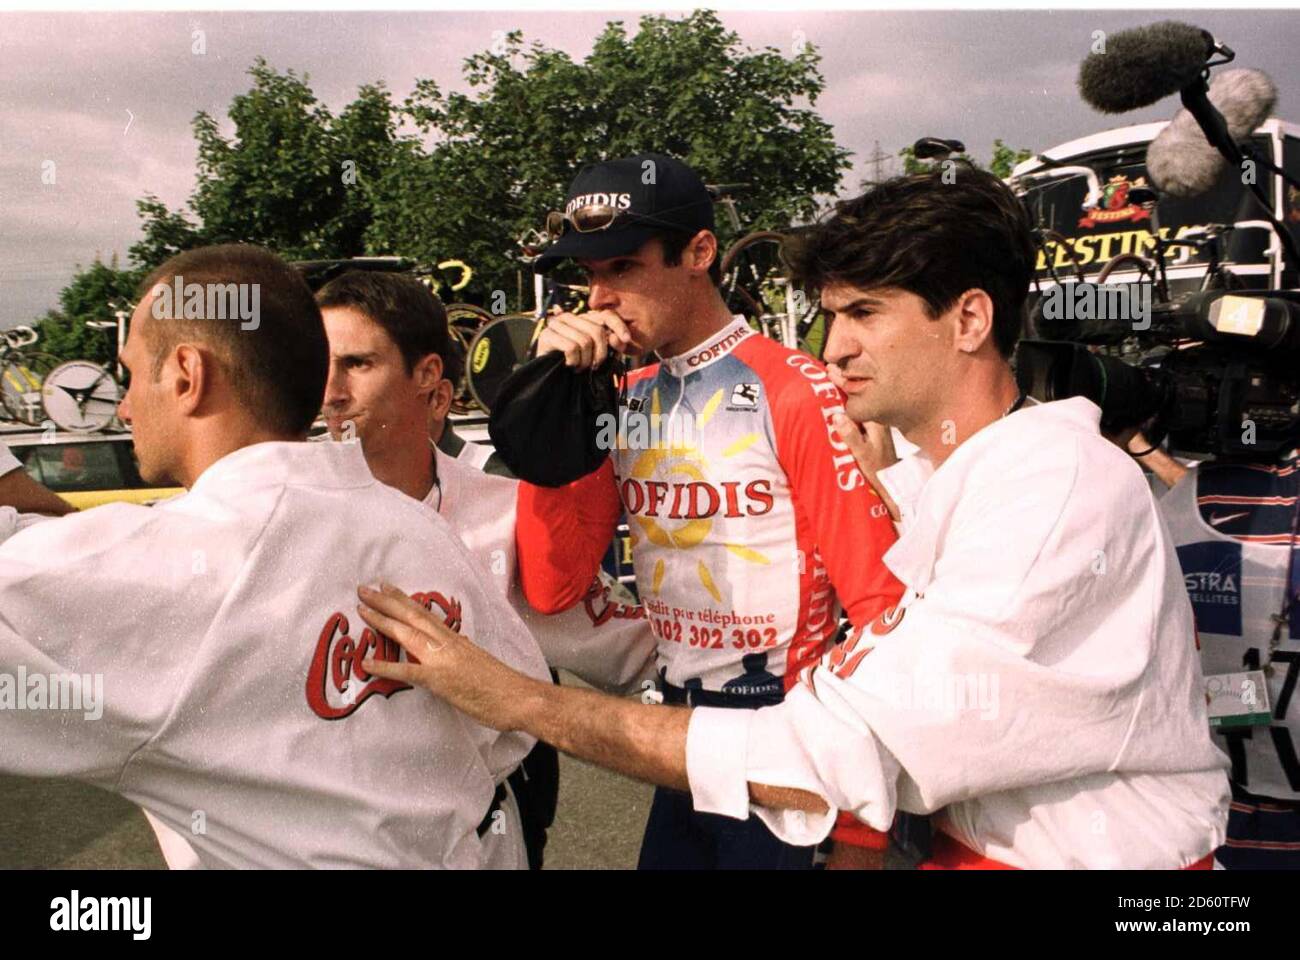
column 1181, row 161
column 1143, row 65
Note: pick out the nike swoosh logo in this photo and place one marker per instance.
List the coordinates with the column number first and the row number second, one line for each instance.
column 1216, row 520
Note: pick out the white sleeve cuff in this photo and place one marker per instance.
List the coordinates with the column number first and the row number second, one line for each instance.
column 717, row 749
column 903, row 482
column 719, row 767
column 9, row 523
column 796, row 827
column 8, row 462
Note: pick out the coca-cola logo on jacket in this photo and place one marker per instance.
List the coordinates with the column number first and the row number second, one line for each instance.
column 602, row 608
column 337, row 683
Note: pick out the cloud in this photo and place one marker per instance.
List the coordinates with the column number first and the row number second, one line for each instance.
column 892, row 76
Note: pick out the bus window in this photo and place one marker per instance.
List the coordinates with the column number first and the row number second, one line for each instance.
column 65, row 467
column 1291, row 208
column 30, row 463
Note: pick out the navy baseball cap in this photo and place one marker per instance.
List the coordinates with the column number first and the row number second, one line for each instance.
column 651, row 192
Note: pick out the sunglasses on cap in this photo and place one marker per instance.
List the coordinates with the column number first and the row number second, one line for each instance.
column 598, row 216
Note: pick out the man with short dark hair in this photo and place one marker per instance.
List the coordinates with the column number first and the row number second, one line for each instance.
column 269, row 363
column 389, row 353
column 388, row 334
column 415, row 320
column 206, row 650
column 1037, row 688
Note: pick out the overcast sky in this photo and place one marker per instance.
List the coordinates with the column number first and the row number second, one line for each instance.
column 67, row 82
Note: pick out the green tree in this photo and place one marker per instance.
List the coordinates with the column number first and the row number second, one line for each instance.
column 1005, row 159
column 504, row 153
column 165, row 233
column 1000, row 165
column 293, row 177
column 88, row 297
column 476, row 170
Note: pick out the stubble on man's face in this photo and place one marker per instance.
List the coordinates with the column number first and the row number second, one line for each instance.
column 143, row 405
column 888, row 356
column 370, row 395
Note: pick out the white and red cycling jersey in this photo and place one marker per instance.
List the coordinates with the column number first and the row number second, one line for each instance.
column 750, row 522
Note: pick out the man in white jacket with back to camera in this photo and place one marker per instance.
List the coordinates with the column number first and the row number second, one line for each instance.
column 1036, row 688
column 221, row 625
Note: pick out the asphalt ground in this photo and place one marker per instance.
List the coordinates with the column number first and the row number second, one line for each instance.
column 66, row 825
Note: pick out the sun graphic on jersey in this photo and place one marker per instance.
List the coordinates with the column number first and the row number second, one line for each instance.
column 671, row 457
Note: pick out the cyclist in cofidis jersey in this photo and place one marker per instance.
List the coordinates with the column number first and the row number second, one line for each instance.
column 751, row 524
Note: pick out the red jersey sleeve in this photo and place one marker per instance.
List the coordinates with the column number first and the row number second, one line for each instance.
column 850, row 523
column 852, row 831
column 561, row 535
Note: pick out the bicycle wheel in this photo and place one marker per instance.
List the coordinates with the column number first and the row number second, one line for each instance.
column 81, row 396
column 746, row 265
column 464, row 320
column 755, row 283
column 467, row 318
column 22, row 376
column 462, row 401
column 497, row 351
column 1145, row 267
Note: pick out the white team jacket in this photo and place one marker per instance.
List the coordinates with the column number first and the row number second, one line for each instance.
column 1038, row 684
column 223, row 624
column 606, row 639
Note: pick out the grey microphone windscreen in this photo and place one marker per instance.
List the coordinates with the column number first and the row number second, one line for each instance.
column 1181, row 162
column 1143, row 65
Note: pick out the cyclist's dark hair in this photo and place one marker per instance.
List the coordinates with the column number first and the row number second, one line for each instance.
column 276, row 362
column 934, row 234
column 674, row 243
column 411, row 314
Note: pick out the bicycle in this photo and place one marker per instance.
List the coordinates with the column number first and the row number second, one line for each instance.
column 82, row 396
column 503, row 344
column 1044, row 236
column 1153, row 269
column 434, row 275
column 756, row 283
column 22, row 373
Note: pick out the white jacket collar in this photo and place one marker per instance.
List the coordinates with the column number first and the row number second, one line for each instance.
column 326, row 463
column 931, row 494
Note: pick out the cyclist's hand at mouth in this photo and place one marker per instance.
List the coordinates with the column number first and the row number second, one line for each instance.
column 585, row 339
